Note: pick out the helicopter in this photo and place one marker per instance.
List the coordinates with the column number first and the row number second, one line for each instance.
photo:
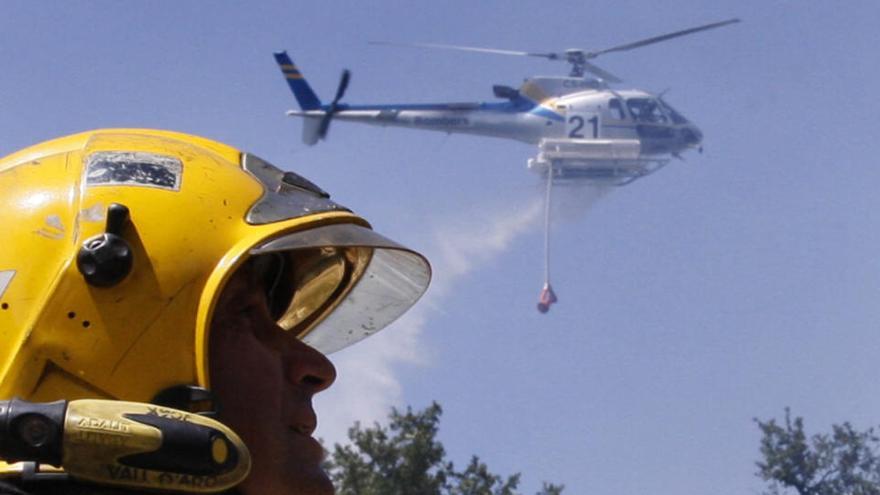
column 585, row 130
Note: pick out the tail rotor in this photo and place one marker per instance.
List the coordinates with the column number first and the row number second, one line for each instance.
column 324, row 126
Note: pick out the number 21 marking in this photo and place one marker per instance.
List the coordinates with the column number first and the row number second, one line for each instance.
column 579, row 124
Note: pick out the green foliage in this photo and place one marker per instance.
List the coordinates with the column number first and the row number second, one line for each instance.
column 405, row 458
column 843, row 463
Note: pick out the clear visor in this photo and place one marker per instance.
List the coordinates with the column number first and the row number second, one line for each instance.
column 335, row 285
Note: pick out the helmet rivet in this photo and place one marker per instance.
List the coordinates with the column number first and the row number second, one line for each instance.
column 105, row 259
column 219, row 450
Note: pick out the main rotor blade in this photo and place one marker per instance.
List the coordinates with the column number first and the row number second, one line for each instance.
column 664, row 37
column 551, row 56
column 602, row 73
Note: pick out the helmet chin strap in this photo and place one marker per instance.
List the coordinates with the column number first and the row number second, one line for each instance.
column 123, row 444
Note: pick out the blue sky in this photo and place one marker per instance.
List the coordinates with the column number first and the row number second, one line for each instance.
column 730, row 286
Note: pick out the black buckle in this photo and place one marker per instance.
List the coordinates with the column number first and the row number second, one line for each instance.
column 191, row 398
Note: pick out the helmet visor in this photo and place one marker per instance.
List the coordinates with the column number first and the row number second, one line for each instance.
column 335, row 285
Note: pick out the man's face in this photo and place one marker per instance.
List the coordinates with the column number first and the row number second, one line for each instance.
column 264, row 379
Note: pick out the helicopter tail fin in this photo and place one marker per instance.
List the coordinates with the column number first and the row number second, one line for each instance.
column 311, row 130
column 306, row 98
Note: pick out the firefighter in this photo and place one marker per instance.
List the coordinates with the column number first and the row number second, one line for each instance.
column 166, row 304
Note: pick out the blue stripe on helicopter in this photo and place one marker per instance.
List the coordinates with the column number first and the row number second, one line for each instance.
column 464, row 107
column 410, row 106
column 546, row 113
column 518, row 106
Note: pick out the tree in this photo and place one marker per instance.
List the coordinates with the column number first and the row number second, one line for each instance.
column 844, row 462
column 405, row 458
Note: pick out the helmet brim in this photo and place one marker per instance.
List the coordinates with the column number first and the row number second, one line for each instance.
column 392, row 279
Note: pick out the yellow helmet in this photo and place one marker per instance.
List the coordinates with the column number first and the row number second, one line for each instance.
column 116, row 244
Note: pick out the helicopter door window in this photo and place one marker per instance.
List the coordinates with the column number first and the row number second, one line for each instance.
column 615, row 108
column 636, row 108
column 646, row 110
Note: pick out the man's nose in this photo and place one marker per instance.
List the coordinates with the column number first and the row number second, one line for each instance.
column 308, row 368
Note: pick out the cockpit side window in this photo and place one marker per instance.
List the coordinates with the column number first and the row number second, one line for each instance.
column 646, row 110
column 615, row 108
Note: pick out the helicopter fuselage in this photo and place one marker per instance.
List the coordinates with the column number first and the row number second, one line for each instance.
column 543, row 108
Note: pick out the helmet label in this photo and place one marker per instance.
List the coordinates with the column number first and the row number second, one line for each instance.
column 130, row 168
column 5, row 279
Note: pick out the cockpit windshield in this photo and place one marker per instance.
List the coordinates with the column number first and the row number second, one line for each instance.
column 676, row 117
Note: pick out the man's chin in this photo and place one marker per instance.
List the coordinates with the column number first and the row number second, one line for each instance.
column 314, row 482
column 297, row 480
